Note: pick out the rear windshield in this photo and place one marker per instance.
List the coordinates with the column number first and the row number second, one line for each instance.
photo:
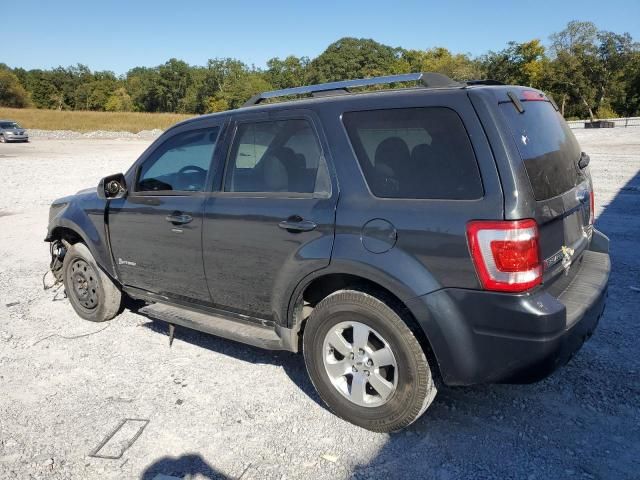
column 415, row 153
column 547, row 146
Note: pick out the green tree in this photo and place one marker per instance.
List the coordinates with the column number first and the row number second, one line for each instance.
column 228, row 83
column 40, row 87
column 614, row 53
column 353, row 58
column 195, row 99
column 119, row 101
column 456, row 66
column 12, row 93
column 290, row 72
column 174, row 78
column 142, row 84
column 574, row 66
column 160, row 89
column 520, row 64
column 628, row 102
column 588, row 71
column 94, row 95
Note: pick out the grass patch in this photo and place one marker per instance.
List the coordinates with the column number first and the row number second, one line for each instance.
column 81, row 121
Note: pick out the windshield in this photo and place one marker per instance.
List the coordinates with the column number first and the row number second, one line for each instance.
column 547, row 146
column 8, row 125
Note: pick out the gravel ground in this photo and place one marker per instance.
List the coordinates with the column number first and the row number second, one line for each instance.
column 101, row 134
column 218, row 409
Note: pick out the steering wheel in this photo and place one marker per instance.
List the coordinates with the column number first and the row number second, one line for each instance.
column 195, row 168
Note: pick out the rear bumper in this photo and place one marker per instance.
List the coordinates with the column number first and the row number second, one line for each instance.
column 486, row 337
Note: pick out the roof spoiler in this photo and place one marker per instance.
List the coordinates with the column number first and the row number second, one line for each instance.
column 426, row 79
column 487, row 81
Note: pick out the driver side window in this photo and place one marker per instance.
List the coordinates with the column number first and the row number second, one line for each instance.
column 179, row 164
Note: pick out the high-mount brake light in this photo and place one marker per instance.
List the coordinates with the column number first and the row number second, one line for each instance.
column 506, row 254
column 532, row 96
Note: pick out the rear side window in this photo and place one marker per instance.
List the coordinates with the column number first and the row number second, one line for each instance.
column 415, row 153
column 548, row 148
column 277, row 156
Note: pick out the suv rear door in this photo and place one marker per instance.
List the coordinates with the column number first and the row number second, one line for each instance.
column 562, row 191
column 271, row 220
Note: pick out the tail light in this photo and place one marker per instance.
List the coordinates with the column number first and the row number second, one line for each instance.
column 592, row 208
column 506, row 254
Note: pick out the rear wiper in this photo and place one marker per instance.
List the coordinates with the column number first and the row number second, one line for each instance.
column 584, row 160
column 516, row 102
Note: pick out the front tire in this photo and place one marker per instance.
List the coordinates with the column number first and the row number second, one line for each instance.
column 366, row 363
column 2, row 139
column 92, row 294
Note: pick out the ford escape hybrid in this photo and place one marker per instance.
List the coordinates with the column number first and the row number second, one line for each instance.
column 441, row 233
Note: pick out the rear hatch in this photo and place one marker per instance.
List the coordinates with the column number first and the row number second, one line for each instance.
column 562, row 189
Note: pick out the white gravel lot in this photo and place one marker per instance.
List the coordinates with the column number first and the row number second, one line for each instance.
column 218, row 409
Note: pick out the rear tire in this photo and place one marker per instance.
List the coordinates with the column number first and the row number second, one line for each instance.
column 92, row 294
column 366, row 363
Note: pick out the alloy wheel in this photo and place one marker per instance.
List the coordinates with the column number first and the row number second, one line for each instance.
column 360, row 364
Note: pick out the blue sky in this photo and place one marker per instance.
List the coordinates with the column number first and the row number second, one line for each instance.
column 118, row 35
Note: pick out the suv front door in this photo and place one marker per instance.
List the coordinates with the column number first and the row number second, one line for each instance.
column 156, row 230
column 272, row 218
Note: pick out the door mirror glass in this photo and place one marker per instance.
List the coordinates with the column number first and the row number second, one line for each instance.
column 113, row 186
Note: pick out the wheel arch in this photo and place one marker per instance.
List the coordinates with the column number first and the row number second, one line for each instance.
column 313, row 290
column 65, row 233
column 66, row 229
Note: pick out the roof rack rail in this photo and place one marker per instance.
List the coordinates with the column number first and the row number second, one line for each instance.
column 487, row 81
column 427, row 79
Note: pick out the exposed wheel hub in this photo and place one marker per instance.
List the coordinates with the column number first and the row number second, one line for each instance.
column 360, row 364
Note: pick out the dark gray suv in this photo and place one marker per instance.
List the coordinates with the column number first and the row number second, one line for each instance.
column 10, row 131
column 437, row 234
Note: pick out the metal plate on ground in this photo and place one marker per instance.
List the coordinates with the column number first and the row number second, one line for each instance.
column 120, row 439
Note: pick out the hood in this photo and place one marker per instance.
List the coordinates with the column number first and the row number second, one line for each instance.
column 85, row 192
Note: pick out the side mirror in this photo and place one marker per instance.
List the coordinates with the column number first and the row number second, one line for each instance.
column 584, row 160
column 113, row 186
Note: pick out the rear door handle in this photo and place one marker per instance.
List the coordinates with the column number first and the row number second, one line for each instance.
column 296, row 223
column 179, row 218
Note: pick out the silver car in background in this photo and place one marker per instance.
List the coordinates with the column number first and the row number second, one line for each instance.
column 10, row 131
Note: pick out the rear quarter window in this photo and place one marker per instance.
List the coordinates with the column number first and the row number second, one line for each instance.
column 547, row 147
column 422, row 153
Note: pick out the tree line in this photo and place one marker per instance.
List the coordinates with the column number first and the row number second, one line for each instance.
column 589, row 72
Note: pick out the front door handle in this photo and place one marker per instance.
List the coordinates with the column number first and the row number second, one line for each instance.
column 296, row 223
column 178, row 218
